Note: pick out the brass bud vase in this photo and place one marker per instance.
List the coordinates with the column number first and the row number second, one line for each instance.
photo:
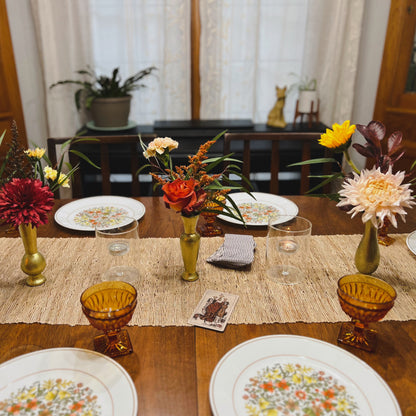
column 367, row 256
column 190, row 241
column 33, row 263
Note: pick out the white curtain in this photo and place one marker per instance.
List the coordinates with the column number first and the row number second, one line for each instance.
column 104, row 34
column 136, row 34
column 62, row 29
column 247, row 48
column 250, row 46
column 331, row 54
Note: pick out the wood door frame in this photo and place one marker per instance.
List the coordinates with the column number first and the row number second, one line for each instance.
column 395, row 107
column 11, row 105
column 391, row 95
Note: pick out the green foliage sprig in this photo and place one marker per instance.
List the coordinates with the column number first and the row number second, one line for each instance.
column 102, row 86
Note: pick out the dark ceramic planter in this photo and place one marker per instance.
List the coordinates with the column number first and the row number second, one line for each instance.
column 111, row 112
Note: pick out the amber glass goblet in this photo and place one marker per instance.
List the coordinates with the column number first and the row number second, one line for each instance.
column 109, row 306
column 210, row 228
column 383, row 238
column 365, row 299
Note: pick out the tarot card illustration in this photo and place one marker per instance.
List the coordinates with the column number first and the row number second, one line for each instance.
column 214, row 310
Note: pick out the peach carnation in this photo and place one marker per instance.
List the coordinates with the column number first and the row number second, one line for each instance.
column 159, row 145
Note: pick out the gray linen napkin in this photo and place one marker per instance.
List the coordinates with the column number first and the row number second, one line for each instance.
column 237, row 251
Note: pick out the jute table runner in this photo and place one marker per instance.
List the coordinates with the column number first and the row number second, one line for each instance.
column 73, row 264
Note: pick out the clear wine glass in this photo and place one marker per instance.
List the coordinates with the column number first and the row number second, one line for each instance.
column 288, row 241
column 119, row 242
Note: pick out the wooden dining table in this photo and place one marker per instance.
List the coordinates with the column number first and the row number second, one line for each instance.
column 171, row 366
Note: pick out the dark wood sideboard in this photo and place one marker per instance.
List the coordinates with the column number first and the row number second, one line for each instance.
column 191, row 134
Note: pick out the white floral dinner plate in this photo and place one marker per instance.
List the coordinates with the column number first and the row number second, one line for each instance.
column 411, row 242
column 289, row 374
column 86, row 213
column 67, row 381
column 257, row 211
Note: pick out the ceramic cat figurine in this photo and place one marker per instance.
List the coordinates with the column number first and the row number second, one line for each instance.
column 276, row 117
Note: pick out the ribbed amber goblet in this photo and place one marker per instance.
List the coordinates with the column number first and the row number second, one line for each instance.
column 210, row 228
column 109, row 306
column 365, row 299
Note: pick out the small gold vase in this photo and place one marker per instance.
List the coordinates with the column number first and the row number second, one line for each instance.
column 33, row 263
column 367, row 256
column 190, row 241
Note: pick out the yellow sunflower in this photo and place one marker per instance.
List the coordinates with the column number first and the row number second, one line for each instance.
column 338, row 137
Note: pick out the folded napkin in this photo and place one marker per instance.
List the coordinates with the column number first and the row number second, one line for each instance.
column 236, row 252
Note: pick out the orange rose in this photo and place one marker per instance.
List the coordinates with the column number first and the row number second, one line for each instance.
column 196, row 205
column 180, row 195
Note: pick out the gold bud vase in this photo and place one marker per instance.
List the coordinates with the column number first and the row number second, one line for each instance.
column 33, row 263
column 367, row 256
column 190, row 241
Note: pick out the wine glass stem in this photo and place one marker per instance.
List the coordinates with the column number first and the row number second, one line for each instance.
column 114, row 341
column 285, row 268
column 359, row 333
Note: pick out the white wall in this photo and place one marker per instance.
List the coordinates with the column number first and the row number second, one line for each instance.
column 376, row 14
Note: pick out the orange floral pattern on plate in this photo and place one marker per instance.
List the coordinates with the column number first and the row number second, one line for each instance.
column 100, row 216
column 52, row 397
column 257, row 212
column 297, row 390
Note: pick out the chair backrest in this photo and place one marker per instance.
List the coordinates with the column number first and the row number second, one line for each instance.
column 256, row 148
column 102, row 150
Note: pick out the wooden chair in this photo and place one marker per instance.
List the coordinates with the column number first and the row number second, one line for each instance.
column 102, row 150
column 264, row 149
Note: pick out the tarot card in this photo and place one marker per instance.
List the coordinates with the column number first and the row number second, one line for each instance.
column 214, row 310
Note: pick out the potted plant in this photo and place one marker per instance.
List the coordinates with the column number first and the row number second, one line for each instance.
column 308, row 95
column 107, row 97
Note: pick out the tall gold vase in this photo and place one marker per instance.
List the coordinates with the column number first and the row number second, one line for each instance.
column 33, row 263
column 367, row 256
column 190, row 241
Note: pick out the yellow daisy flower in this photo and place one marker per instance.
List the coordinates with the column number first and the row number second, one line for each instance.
column 290, row 368
column 63, row 394
column 309, row 380
column 35, row 154
column 343, row 406
column 263, row 404
column 338, row 137
column 50, row 395
column 50, row 173
column 296, row 378
column 63, row 180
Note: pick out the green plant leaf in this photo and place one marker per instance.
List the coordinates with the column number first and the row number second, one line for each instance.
column 326, row 181
column 2, row 137
column 314, row 161
column 219, row 135
column 147, row 165
column 84, row 157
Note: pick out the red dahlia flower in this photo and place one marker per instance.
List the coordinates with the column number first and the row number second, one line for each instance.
column 25, row 201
